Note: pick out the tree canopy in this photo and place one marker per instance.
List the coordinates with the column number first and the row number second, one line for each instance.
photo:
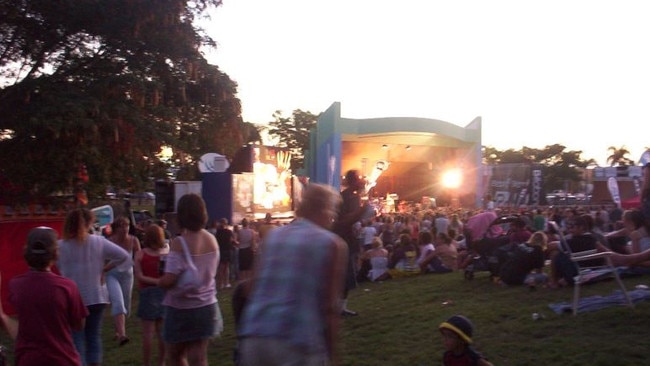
column 105, row 85
column 619, row 156
column 293, row 132
column 558, row 165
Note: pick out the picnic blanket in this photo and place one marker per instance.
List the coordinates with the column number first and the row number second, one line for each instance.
column 593, row 303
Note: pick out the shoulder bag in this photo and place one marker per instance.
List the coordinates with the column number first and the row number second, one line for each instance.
column 189, row 278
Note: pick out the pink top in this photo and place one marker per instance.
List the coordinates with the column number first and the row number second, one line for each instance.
column 478, row 225
column 205, row 294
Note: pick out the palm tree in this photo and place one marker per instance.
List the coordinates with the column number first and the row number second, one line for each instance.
column 619, row 156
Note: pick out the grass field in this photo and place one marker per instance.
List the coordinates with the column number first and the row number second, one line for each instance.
column 399, row 318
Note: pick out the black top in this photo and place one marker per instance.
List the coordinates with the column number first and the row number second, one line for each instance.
column 524, row 259
column 224, row 238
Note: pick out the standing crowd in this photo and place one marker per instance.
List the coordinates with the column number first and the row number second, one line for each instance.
column 291, row 282
column 60, row 301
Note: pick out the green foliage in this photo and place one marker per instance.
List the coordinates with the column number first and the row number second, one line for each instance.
column 106, row 85
column 293, row 132
column 619, row 156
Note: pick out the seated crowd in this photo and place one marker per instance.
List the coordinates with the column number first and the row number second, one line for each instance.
column 528, row 249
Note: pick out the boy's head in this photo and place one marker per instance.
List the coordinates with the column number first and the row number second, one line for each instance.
column 41, row 249
column 459, row 326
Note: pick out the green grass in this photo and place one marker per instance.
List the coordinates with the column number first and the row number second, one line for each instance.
column 399, row 318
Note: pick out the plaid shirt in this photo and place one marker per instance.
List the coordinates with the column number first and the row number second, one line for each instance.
column 287, row 299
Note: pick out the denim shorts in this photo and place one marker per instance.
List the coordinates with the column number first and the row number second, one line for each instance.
column 187, row 325
column 533, row 279
column 150, row 303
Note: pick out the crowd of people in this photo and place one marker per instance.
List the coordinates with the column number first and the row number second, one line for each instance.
column 60, row 302
column 442, row 240
column 291, row 281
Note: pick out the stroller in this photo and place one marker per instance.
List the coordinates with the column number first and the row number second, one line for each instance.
column 493, row 246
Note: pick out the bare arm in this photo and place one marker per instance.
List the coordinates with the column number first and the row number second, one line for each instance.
column 168, row 280
column 635, row 236
column 9, row 323
column 136, row 245
column 114, row 254
column 484, row 362
column 620, row 232
column 425, row 262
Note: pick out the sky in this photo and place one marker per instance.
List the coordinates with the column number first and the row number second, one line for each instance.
column 538, row 73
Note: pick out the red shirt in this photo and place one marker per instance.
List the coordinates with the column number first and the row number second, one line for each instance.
column 150, row 265
column 48, row 306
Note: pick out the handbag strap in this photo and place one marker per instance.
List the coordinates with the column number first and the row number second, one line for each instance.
column 186, row 252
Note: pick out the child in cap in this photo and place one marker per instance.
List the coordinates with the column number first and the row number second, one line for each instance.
column 48, row 306
column 457, row 338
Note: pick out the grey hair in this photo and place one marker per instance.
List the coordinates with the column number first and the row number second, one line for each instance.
column 317, row 198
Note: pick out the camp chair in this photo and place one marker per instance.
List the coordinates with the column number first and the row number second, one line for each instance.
column 588, row 272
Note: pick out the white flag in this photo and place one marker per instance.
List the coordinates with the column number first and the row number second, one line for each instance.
column 612, row 185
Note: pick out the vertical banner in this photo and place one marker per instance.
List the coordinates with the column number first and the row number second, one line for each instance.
column 612, row 185
column 216, row 190
column 523, row 197
column 536, row 193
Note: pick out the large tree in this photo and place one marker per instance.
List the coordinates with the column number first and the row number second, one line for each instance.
column 293, row 132
column 105, row 85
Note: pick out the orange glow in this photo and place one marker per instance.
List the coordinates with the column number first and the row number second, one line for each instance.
column 452, row 178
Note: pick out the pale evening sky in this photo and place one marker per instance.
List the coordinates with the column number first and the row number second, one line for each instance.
column 573, row 72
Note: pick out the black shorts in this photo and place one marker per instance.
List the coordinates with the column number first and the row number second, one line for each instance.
column 245, row 259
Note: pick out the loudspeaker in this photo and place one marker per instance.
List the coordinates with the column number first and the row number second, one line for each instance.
column 164, row 198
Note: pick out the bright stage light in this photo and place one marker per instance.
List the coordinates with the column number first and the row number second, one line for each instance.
column 452, row 178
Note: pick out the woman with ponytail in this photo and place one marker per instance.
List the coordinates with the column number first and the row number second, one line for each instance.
column 82, row 258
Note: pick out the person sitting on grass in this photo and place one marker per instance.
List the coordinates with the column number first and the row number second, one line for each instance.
column 564, row 270
column 526, row 265
column 443, row 259
column 457, row 339
column 425, row 245
column 403, row 261
column 378, row 260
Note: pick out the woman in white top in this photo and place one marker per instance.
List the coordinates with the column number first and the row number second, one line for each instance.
column 456, row 224
column 82, row 258
column 378, row 257
column 425, row 244
column 368, row 233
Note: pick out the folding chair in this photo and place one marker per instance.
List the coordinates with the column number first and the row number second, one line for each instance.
column 587, row 272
